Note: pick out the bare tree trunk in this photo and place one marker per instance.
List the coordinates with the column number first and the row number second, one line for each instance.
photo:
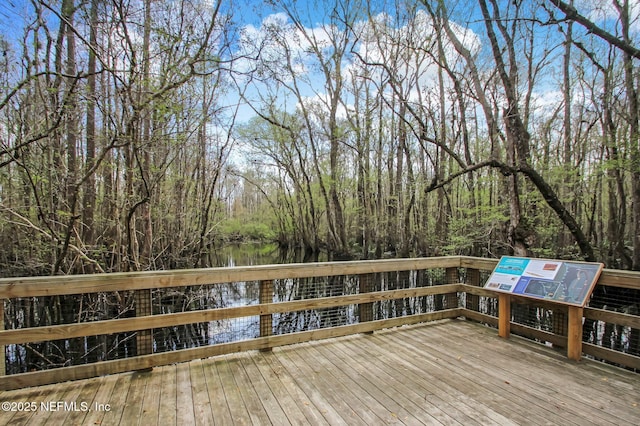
column 71, row 132
column 89, row 196
column 516, row 134
column 336, row 203
column 567, row 190
column 442, row 213
column 145, row 167
column 634, row 126
column 617, row 219
column 71, row 104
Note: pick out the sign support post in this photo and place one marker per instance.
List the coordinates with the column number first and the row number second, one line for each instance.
column 568, row 283
column 574, row 333
column 504, row 315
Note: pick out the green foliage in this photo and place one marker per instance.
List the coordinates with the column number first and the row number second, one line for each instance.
column 384, row 173
column 473, row 228
column 235, row 229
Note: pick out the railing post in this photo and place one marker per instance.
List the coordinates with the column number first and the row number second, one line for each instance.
column 574, row 333
column 144, row 338
column 266, row 321
column 365, row 310
column 472, row 300
column 559, row 323
column 451, row 299
column 504, row 315
column 3, row 369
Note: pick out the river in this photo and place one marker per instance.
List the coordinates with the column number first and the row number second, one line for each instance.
column 57, row 310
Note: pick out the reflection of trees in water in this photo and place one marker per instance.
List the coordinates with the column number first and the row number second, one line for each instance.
column 54, row 310
column 68, row 309
column 614, row 336
column 194, row 298
column 409, row 305
column 313, row 288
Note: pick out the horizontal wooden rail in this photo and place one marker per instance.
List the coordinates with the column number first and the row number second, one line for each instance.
column 11, row 288
column 83, row 284
column 617, row 278
column 55, row 332
column 616, row 357
column 144, row 281
column 613, row 317
column 38, row 378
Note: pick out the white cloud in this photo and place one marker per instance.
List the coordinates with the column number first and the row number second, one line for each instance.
column 280, row 48
column 409, row 51
column 604, row 13
column 281, row 51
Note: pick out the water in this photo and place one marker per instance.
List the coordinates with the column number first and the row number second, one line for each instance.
column 249, row 254
column 56, row 310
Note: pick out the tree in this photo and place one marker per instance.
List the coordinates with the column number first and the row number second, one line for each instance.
column 319, row 130
column 101, row 95
column 630, row 54
column 370, row 129
column 516, row 135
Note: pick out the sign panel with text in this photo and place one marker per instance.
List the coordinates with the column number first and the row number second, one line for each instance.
column 557, row 280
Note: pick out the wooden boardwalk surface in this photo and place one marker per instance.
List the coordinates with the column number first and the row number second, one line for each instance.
column 451, row 372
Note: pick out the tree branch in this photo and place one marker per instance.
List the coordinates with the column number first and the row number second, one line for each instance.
column 545, row 190
column 572, row 14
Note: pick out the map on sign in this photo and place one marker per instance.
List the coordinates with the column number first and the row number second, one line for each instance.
column 560, row 281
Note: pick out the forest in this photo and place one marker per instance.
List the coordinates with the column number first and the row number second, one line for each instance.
column 141, row 135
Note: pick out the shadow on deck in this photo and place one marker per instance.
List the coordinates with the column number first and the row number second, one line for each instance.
column 448, row 372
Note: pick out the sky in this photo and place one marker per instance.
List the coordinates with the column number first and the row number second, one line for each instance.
column 256, row 17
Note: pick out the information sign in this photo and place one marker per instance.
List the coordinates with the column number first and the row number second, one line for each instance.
column 561, row 281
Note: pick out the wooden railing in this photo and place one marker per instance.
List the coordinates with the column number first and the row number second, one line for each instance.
column 560, row 315
column 458, row 294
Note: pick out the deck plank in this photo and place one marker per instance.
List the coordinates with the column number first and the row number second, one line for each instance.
column 384, row 404
column 450, row 372
column 106, row 386
column 117, row 400
column 270, row 403
column 492, row 392
column 353, row 402
column 439, row 382
column 395, row 389
column 215, row 392
column 184, row 395
column 293, row 391
column 470, row 384
column 203, row 413
column 496, row 394
column 168, row 412
column 235, row 403
column 83, row 403
column 132, row 410
column 61, row 405
column 21, row 417
column 507, row 375
column 251, row 398
column 150, row 410
column 323, row 398
column 563, row 381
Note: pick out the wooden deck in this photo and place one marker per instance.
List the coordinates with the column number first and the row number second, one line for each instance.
column 449, row 372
